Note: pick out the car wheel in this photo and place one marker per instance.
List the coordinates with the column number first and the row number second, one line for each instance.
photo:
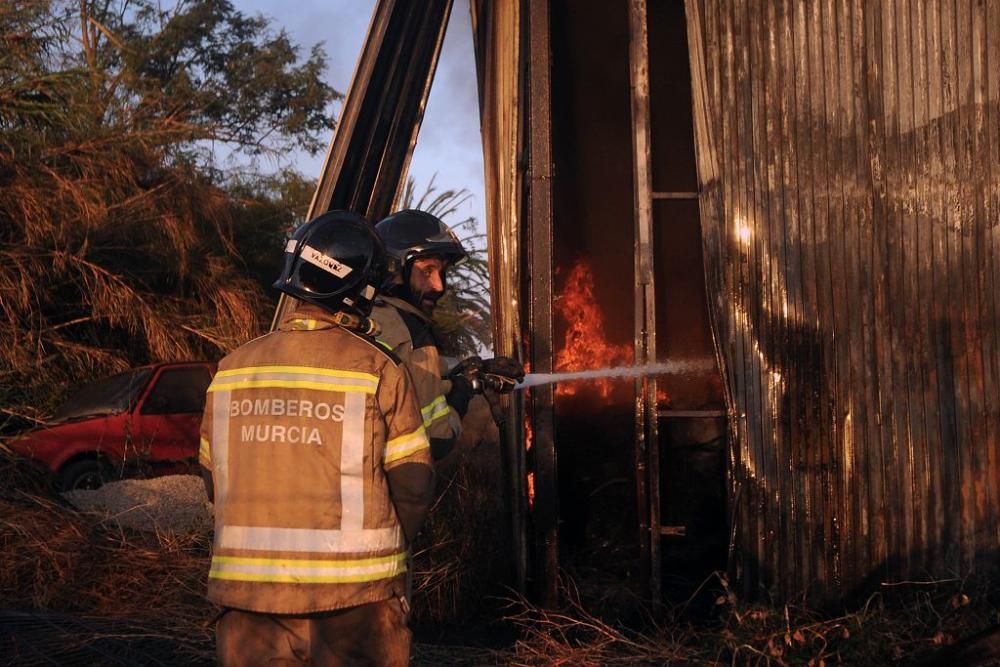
column 83, row 475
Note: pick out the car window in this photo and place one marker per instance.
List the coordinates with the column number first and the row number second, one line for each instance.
column 178, row 391
column 106, row 396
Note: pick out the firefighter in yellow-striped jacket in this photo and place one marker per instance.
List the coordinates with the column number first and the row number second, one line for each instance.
column 421, row 249
column 314, row 449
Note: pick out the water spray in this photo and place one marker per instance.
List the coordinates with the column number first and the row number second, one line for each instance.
column 663, row 368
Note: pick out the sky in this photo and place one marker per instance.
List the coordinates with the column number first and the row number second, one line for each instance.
column 449, row 144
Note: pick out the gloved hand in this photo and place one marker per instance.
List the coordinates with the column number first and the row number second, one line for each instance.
column 467, row 368
column 498, row 375
column 501, row 374
column 490, row 377
column 465, row 383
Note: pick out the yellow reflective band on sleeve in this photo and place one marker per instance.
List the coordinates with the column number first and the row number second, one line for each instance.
column 294, row 571
column 205, row 451
column 435, row 410
column 384, row 344
column 294, row 377
column 404, row 445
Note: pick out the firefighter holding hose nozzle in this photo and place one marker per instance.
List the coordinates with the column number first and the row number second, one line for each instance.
column 421, row 250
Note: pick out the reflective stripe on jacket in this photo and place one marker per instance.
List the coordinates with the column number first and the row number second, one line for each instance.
column 300, row 429
column 406, row 331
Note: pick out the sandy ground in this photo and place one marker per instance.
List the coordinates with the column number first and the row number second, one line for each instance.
column 176, row 503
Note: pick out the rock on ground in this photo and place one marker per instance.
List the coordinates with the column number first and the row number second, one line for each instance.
column 175, row 503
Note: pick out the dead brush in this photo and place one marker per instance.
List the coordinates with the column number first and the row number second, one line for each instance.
column 572, row 635
column 898, row 625
column 21, row 480
column 58, row 559
column 894, row 625
column 458, row 556
column 112, row 254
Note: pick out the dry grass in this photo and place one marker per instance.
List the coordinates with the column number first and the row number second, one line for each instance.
column 574, row 636
column 59, row 560
column 100, row 270
column 96, row 583
column 894, row 626
column 459, row 557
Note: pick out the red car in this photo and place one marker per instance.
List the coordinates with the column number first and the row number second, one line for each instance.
column 141, row 422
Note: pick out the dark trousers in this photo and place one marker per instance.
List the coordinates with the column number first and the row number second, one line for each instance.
column 369, row 634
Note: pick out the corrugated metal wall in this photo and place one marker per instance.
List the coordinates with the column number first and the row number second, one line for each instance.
column 496, row 26
column 849, row 161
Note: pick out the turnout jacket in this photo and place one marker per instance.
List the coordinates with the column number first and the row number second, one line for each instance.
column 407, row 332
column 320, row 466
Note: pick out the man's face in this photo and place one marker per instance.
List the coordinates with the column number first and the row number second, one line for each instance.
column 427, row 282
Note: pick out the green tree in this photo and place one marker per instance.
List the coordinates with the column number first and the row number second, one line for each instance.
column 462, row 321
column 119, row 244
column 197, row 71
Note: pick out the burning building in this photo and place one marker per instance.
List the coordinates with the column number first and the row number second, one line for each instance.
column 605, row 273
column 803, row 195
column 797, row 202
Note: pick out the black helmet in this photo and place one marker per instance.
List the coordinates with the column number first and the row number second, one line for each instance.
column 335, row 261
column 411, row 234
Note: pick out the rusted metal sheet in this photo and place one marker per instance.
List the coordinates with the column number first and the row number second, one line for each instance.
column 366, row 165
column 850, row 178
column 539, row 287
column 517, row 55
column 646, row 451
column 513, row 64
column 385, row 105
column 497, row 28
column 514, row 67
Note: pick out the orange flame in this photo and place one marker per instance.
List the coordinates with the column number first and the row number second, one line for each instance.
column 663, row 399
column 529, row 439
column 529, row 434
column 586, row 345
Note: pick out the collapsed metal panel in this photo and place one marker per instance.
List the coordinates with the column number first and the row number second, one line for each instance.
column 383, row 109
column 366, row 164
column 850, row 176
